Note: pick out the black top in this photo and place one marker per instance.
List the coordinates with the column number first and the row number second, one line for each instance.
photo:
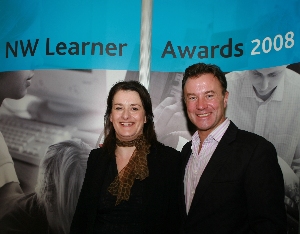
column 123, row 218
column 159, row 194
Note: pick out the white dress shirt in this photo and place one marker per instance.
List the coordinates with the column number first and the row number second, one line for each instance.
column 276, row 119
column 199, row 160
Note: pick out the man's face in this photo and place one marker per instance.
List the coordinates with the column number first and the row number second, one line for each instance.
column 14, row 84
column 265, row 80
column 205, row 102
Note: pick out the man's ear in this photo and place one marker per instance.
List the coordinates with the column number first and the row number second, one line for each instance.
column 226, row 98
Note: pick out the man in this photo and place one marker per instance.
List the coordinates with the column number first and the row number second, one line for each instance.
column 266, row 102
column 232, row 182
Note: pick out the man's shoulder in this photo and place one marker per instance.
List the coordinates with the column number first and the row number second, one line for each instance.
column 235, row 80
column 251, row 139
column 293, row 79
column 235, row 75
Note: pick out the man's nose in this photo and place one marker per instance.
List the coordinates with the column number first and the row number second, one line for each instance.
column 201, row 103
column 265, row 83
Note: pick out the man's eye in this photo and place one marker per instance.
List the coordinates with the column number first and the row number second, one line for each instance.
column 192, row 98
column 257, row 74
column 272, row 75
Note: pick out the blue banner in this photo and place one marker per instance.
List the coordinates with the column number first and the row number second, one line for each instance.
column 236, row 35
column 69, row 34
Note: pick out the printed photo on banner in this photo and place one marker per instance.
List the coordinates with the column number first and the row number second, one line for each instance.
column 263, row 101
column 50, row 120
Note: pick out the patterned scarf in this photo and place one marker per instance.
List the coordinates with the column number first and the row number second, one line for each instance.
column 136, row 168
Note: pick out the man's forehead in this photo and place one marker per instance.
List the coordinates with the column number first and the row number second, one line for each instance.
column 204, row 80
column 270, row 70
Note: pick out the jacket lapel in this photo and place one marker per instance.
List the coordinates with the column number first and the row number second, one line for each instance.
column 185, row 153
column 217, row 160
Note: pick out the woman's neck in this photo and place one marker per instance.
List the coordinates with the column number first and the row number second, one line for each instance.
column 124, row 151
column 123, row 155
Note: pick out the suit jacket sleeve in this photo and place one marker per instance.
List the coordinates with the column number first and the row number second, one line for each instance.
column 264, row 187
column 174, row 204
column 85, row 211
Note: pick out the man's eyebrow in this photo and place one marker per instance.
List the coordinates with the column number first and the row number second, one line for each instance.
column 256, row 72
column 273, row 73
column 209, row 91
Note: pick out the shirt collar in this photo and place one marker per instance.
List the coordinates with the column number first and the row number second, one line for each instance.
column 216, row 134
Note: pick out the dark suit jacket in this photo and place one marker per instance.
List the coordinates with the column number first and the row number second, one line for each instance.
column 160, row 193
column 241, row 189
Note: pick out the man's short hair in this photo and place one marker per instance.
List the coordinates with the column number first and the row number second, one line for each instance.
column 199, row 69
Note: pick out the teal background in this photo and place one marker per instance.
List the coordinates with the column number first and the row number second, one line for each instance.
column 198, row 23
column 73, row 21
column 184, row 23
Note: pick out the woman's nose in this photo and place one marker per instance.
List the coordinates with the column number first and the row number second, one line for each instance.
column 125, row 114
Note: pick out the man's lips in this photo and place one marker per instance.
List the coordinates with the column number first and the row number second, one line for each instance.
column 203, row 115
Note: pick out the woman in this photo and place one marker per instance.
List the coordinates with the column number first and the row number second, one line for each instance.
column 130, row 184
column 50, row 209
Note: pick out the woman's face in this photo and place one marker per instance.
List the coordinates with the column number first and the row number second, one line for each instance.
column 14, row 84
column 128, row 115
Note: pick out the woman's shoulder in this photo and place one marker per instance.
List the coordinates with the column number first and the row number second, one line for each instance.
column 166, row 157
column 165, row 151
column 163, row 147
column 97, row 154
